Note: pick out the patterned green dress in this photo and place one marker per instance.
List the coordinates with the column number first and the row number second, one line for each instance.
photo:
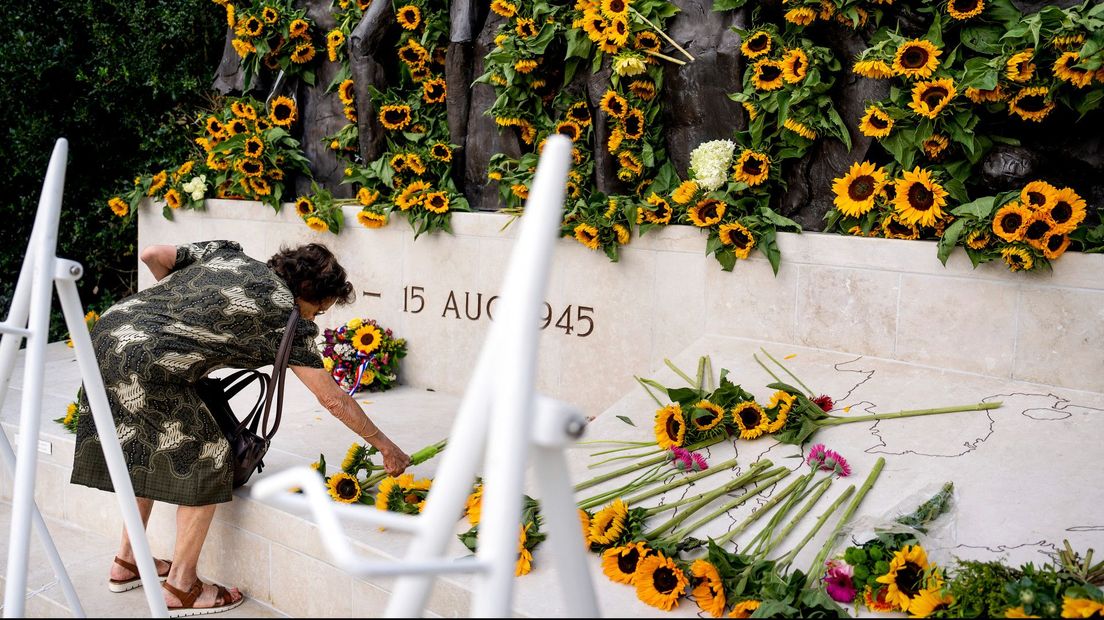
column 217, row 308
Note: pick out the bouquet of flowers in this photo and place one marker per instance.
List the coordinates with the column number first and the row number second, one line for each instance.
column 363, row 355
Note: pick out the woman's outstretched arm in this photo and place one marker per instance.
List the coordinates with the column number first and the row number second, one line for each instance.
column 345, row 408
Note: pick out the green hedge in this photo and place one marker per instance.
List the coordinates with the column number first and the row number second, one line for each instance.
column 121, row 80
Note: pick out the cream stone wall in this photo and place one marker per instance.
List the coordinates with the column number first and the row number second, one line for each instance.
column 873, row 297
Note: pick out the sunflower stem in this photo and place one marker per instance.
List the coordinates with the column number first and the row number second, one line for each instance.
column 788, row 559
column 621, row 449
column 763, row 538
column 678, row 62
column 701, row 373
column 836, row 421
column 644, row 384
column 679, row 372
column 816, row 493
column 615, row 441
column 787, row 370
column 764, row 366
column 640, row 16
column 660, row 456
column 709, row 372
column 754, row 474
column 776, row 476
column 648, row 477
column 817, row 569
column 639, row 497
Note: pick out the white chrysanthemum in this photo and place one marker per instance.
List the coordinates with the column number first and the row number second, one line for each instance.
column 197, row 187
column 343, row 349
column 709, row 163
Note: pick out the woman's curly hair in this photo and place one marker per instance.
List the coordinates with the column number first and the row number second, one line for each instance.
column 312, row 273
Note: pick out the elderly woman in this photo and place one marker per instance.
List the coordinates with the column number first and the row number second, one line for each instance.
column 213, row 307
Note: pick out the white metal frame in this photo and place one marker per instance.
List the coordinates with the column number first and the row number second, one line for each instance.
column 29, row 318
column 501, row 390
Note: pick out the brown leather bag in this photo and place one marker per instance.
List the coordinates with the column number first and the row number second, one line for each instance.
column 250, row 438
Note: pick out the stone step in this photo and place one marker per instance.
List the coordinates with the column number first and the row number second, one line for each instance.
column 999, row 459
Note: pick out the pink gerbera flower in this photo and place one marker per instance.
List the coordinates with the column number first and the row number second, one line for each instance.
column 834, row 461
column 838, row 582
column 699, row 462
column 817, row 454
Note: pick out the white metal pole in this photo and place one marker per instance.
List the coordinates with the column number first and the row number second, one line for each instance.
column 67, row 274
column 512, row 403
column 42, row 246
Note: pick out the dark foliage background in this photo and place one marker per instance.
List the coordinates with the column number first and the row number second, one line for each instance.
column 101, row 73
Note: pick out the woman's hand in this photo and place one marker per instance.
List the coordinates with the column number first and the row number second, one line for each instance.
column 395, row 461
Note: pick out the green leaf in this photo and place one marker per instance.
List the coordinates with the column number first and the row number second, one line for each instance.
column 728, row 5
column 949, row 240
column 981, row 208
column 626, row 420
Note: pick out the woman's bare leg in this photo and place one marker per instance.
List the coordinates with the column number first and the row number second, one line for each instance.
column 192, row 523
column 126, row 552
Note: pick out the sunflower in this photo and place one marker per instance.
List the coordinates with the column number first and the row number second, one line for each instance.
column 919, row 199
column 70, row 414
column 436, row 202
column 214, row 127
column 647, row 40
column 906, row 577
column 441, row 152
column 1018, row 612
column 411, row 195
column 317, row 224
column 633, row 123
column 260, row 186
column 526, row 28
column 303, row 53
column 916, row 59
column 1038, row 195
column 214, row 162
column 978, row 95
column 184, row 169
column 1038, row 226
column 369, row 219
column 413, row 53
column 250, row 167
column 616, row 34
column 965, row 9
column 744, row 609
column 1068, row 42
column 800, row 129
column 525, row 65
column 570, row 129
column 1031, row 104
column 1017, row 258
column 875, row 123
column 250, row 26
column 706, row 416
column 622, row 234
column 473, row 506
column 608, row 524
column 752, row 167
column 594, row 25
column 253, row 147
column 1011, row 220
column 614, row 104
column 934, row 145
column 620, row 563
column 298, row 28
column 520, row 190
column 783, row 403
column 875, row 600
column 525, row 556
column 172, row 198
column 394, row 117
column 709, row 592
column 660, row 582
column 241, row 109
column 434, row 91
column 929, row 98
column 409, row 17
column 614, row 143
column 738, row 236
column 587, row 235
column 662, row 212
column 750, row 419
column 856, row 190
column 1067, row 210
column 1064, row 70
column 751, row 110
column 347, row 92
column 1081, row 608
column 756, row 45
column 894, row 228
column 283, row 112
column 118, row 206
column 367, row 339
column 630, row 162
column 706, row 212
column 1019, row 67
column 343, row 488
column 615, row 8
column 795, row 65
column 802, row 16
column 670, row 427
column 504, row 8
column 768, row 74
column 873, row 69
column 579, row 113
column 685, row 192
column 334, row 40
column 978, row 239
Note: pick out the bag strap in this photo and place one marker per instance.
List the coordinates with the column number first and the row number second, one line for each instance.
column 278, row 371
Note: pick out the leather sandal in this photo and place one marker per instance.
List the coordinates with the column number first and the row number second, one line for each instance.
column 125, row 585
column 188, row 599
